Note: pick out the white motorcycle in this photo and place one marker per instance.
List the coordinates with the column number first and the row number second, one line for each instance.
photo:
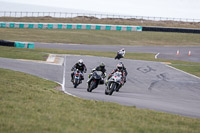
column 114, row 83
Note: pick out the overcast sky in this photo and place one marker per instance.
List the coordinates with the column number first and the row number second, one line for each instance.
column 157, row 8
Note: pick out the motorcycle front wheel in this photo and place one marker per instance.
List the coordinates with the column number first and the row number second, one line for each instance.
column 75, row 83
column 110, row 89
column 92, row 86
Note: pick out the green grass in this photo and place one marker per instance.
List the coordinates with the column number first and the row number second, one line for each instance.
column 21, row 53
column 100, row 37
column 29, row 104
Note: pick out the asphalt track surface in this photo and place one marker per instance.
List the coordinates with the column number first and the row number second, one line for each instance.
column 165, row 52
column 150, row 85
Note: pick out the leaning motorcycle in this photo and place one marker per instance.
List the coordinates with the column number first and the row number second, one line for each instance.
column 76, row 78
column 94, row 80
column 114, row 83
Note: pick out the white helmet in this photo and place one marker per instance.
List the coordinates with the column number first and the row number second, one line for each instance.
column 80, row 62
column 122, row 49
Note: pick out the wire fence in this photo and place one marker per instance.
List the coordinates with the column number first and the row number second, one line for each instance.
column 97, row 16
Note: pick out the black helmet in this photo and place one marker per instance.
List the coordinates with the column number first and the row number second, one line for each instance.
column 102, row 65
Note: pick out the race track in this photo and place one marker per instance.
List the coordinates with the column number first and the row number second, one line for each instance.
column 150, row 85
column 165, row 52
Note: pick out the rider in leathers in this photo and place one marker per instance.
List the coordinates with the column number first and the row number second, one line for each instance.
column 120, row 54
column 101, row 68
column 122, row 69
column 81, row 67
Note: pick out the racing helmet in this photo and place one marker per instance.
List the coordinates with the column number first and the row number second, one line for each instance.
column 102, row 65
column 122, row 49
column 80, row 62
column 121, row 63
column 119, row 66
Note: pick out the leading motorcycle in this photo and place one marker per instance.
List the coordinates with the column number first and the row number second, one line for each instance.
column 77, row 78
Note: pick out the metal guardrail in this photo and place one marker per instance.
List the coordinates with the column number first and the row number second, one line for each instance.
column 99, row 16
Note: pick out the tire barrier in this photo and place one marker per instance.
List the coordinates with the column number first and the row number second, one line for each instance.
column 17, row 44
column 163, row 29
column 94, row 27
column 69, row 26
column 7, row 43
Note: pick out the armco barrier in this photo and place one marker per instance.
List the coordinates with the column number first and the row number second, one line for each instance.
column 69, row 26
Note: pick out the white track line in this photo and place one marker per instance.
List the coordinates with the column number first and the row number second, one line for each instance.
column 156, row 56
column 63, row 83
column 64, row 73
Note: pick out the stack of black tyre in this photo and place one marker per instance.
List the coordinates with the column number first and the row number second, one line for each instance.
column 7, row 43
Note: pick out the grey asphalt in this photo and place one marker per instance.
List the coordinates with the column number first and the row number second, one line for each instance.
column 43, row 70
column 150, row 85
column 166, row 52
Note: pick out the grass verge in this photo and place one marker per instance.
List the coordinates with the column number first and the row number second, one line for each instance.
column 100, row 37
column 21, row 53
column 32, row 105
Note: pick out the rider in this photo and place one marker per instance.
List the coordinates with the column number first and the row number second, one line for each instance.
column 81, row 67
column 101, row 68
column 120, row 54
column 122, row 69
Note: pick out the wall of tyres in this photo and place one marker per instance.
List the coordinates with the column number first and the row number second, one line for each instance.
column 163, row 29
column 69, row 26
column 94, row 27
column 17, row 44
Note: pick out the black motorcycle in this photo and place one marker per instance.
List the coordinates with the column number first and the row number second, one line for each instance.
column 119, row 56
column 94, row 80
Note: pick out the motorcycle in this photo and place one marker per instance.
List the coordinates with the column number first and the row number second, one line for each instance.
column 119, row 56
column 94, row 80
column 77, row 78
column 114, row 83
